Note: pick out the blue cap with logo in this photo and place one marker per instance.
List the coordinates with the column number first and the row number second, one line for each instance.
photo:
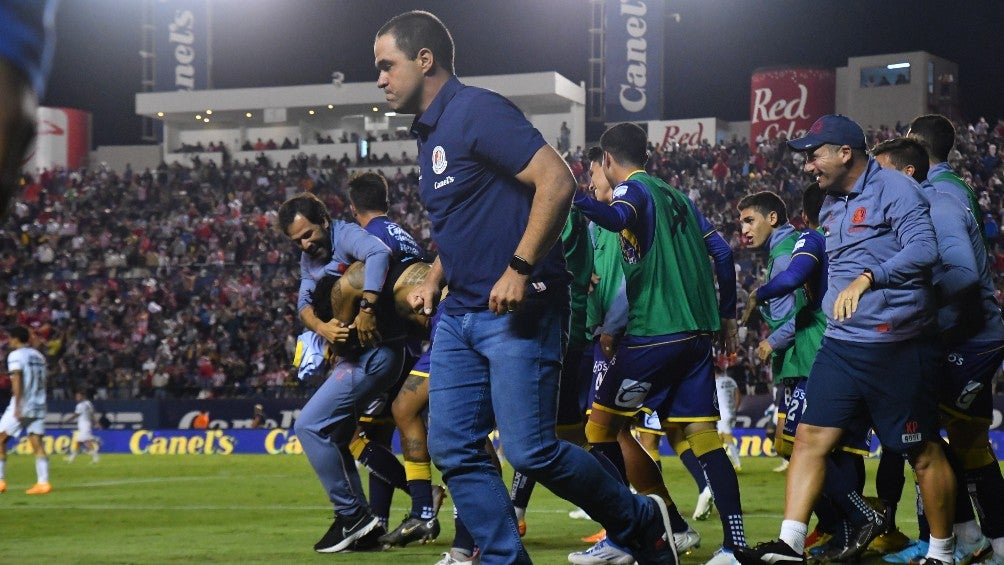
column 834, row 129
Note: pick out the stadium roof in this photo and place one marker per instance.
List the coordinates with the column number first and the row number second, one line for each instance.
column 534, row 93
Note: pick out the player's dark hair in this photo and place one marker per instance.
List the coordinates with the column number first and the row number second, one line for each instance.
column 368, row 192
column 937, row 132
column 812, row 202
column 305, row 204
column 595, row 154
column 19, row 333
column 904, row 151
column 627, row 143
column 764, row 203
column 417, row 30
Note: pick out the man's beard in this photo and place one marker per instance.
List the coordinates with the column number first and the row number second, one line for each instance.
column 322, row 249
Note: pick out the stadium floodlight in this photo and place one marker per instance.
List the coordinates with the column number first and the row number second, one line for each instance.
column 209, row 112
column 198, row 117
column 375, row 109
column 160, row 114
column 247, row 115
column 311, row 112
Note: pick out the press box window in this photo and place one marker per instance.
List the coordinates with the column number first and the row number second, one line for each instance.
column 887, row 75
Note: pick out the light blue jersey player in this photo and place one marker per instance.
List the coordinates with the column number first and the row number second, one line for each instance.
column 27, row 408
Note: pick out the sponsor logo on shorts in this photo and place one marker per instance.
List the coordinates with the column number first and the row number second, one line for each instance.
column 911, row 435
column 632, row 393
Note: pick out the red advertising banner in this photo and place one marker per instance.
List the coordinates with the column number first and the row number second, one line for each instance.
column 784, row 102
column 63, row 139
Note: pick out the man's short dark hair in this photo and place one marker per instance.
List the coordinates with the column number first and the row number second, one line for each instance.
column 904, row 151
column 627, row 143
column 812, row 202
column 764, row 203
column 307, row 205
column 937, row 132
column 595, row 154
column 19, row 333
column 417, row 30
column 368, row 192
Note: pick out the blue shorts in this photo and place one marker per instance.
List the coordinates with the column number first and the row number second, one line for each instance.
column 597, row 372
column 964, row 390
column 378, row 410
column 671, row 374
column 887, row 385
column 856, row 438
column 575, row 382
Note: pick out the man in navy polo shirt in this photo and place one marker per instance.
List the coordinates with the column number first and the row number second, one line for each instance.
column 497, row 196
column 875, row 361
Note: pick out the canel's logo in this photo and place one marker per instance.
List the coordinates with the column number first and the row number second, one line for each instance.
column 632, row 92
column 181, row 34
column 438, row 160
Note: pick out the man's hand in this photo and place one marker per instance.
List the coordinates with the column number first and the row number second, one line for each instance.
column 365, row 326
column 763, row 351
column 729, row 336
column 334, row 331
column 425, row 297
column 608, row 344
column 750, row 306
column 847, row 301
column 594, row 280
column 508, row 293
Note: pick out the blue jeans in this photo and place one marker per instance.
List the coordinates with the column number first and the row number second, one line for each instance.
column 327, row 422
column 503, row 370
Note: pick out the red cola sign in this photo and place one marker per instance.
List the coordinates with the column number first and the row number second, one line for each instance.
column 786, row 101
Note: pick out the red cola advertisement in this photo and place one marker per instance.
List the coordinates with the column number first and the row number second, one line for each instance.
column 785, row 101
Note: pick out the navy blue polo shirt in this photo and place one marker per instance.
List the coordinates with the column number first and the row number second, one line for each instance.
column 471, row 144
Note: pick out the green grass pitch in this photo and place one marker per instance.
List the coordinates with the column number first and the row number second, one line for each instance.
column 271, row 509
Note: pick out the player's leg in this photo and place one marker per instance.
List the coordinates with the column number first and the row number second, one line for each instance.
column 36, row 430
column 966, row 401
column 903, row 408
column 421, row 523
column 833, row 403
column 3, row 461
column 325, row 429
column 371, row 447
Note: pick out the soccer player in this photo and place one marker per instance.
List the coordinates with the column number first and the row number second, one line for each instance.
column 938, row 135
column 875, row 359
column 497, row 196
column 664, row 362
column 327, row 423
column 972, row 333
column 86, row 419
column 26, row 410
column 368, row 203
column 728, row 404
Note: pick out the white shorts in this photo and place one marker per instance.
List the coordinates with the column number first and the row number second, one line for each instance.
column 726, row 424
column 12, row 426
column 85, row 434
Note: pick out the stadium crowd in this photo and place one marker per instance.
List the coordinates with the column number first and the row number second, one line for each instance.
column 172, row 282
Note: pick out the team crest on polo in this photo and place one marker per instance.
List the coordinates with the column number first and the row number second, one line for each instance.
column 438, row 160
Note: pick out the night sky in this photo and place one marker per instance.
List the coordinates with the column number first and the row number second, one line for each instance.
column 710, row 53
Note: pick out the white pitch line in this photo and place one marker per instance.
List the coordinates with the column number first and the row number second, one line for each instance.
column 186, row 478
column 135, row 507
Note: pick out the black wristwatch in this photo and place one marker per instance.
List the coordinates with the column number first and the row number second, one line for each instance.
column 521, row 265
column 366, row 306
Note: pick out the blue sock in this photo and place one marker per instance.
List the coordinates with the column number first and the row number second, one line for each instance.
column 724, row 483
column 693, row 466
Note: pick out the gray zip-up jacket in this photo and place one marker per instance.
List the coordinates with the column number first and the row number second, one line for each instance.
column 883, row 224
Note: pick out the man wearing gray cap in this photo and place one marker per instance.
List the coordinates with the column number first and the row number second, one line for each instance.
column 876, row 361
